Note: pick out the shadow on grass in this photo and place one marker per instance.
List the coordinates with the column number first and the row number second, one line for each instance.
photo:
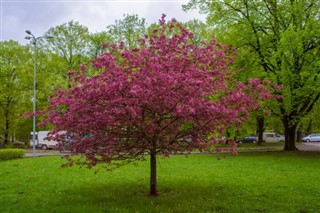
column 191, row 194
column 183, row 197
column 173, row 197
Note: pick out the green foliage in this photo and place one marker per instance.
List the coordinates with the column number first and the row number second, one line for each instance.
column 128, row 30
column 8, row 154
column 277, row 41
column 201, row 30
column 71, row 43
column 248, row 182
column 15, row 85
column 69, row 49
column 311, row 123
column 97, row 41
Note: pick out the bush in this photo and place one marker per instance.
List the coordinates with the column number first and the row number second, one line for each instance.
column 8, row 154
column 8, row 146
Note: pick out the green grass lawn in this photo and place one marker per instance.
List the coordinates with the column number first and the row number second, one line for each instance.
column 249, row 182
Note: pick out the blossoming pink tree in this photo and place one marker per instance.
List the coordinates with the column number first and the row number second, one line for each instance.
column 168, row 96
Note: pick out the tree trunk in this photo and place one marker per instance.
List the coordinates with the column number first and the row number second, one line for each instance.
column 260, row 129
column 7, row 127
column 153, row 171
column 290, row 131
column 299, row 135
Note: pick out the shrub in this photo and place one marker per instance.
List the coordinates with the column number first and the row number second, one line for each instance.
column 9, row 146
column 8, row 154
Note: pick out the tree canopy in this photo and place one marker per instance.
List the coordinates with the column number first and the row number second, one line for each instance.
column 128, row 30
column 15, row 82
column 71, row 43
column 276, row 40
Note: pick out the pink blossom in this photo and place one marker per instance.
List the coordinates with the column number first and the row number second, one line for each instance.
column 83, row 67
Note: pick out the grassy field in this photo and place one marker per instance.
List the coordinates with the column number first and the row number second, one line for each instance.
column 249, row 182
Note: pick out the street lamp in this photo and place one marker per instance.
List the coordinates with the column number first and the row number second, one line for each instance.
column 34, row 42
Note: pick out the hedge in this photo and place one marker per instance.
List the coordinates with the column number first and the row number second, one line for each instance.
column 8, row 154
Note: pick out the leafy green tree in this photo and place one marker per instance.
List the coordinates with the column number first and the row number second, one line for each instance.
column 97, row 41
column 276, row 40
column 15, row 86
column 128, row 30
column 70, row 48
column 201, row 30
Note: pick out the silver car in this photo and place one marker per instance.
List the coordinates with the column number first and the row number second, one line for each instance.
column 312, row 138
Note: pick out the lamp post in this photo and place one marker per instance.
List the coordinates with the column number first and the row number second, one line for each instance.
column 34, row 42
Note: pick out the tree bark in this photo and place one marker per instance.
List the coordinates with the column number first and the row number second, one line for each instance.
column 290, row 131
column 153, row 171
column 7, row 127
column 260, row 129
column 299, row 135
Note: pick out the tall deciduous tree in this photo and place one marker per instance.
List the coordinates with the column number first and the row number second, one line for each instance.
column 71, row 44
column 97, row 41
column 127, row 30
column 202, row 31
column 15, row 85
column 167, row 96
column 280, row 39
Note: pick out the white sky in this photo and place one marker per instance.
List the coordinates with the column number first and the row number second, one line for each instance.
column 39, row 15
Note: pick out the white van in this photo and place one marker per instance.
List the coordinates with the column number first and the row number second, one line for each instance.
column 272, row 137
column 42, row 143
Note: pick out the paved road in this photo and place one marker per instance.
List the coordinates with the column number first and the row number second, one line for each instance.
column 311, row 146
column 40, row 153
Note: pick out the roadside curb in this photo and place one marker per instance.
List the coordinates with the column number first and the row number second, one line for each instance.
column 306, row 147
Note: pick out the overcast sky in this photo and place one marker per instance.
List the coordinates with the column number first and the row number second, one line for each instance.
column 39, row 15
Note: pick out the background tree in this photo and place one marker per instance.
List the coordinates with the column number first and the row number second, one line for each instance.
column 167, row 96
column 280, row 39
column 97, row 40
column 201, row 30
column 70, row 48
column 128, row 30
column 15, row 90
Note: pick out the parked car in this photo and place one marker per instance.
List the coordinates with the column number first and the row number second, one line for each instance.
column 248, row 139
column 312, row 138
column 272, row 137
